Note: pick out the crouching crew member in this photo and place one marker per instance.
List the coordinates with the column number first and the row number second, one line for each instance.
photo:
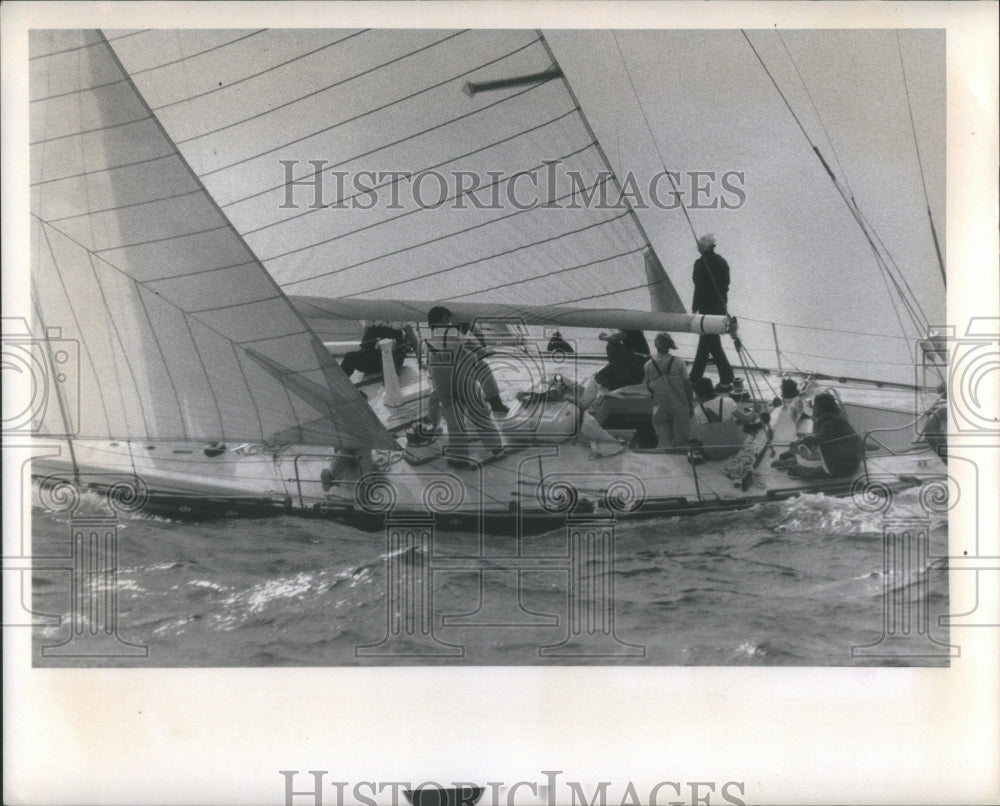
column 833, row 449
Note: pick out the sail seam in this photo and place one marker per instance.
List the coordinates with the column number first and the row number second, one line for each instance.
column 343, row 122
column 566, row 270
column 494, row 256
column 130, row 206
column 106, row 169
column 278, row 108
column 163, row 357
column 249, row 77
column 77, row 91
column 217, row 308
column 159, row 240
column 168, row 277
column 117, row 335
column 393, row 219
column 85, row 132
column 67, row 50
column 210, row 385
column 76, row 320
column 199, row 53
column 232, row 342
column 308, row 176
column 465, row 231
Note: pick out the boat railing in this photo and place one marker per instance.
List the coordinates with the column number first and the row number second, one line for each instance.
column 877, row 441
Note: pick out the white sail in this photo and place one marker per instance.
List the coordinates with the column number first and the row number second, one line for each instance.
column 297, row 135
column 182, row 333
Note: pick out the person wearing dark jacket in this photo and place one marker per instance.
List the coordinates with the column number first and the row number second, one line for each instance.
column 840, row 448
column 368, row 357
column 711, row 290
column 627, row 352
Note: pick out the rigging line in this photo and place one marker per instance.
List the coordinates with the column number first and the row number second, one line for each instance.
column 496, row 182
column 816, row 327
column 411, row 247
column 656, row 144
column 486, row 258
column 677, row 194
column 294, row 101
column 362, row 155
column 840, row 190
column 754, row 381
column 134, row 73
column 871, row 362
column 265, row 71
column 819, row 117
column 396, row 175
column 552, row 273
column 920, row 165
column 597, row 143
column 883, row 273
column 892, row 261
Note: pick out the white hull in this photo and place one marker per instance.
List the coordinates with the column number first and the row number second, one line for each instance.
column 532, row 486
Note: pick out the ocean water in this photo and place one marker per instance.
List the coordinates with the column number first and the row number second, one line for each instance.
column 792, row 583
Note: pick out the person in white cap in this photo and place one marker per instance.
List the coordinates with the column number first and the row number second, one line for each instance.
column 711, row 292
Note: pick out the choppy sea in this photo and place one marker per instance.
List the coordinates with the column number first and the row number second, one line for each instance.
column 801, row 582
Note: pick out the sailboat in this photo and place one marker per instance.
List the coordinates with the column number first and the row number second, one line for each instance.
column 208, row 231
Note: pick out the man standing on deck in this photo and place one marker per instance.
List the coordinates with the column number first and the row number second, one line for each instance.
column 452, row 361
column 711, row 293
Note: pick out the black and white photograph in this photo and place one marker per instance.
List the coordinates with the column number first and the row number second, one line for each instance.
column 442, row 352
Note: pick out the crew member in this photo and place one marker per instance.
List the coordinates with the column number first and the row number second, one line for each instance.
column 667, row 381
column 833, row 449
column 368, row 357
column 460, row 384
column 627, row 352
column 711, row 294
column 716, row 422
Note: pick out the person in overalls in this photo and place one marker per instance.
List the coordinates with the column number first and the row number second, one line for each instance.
column 458, row 387
column 667, row 381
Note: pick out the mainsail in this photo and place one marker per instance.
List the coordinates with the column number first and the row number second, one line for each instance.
column 182, row 333
column 355, row 166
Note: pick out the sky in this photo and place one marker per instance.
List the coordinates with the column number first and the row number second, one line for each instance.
column 702, row 101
